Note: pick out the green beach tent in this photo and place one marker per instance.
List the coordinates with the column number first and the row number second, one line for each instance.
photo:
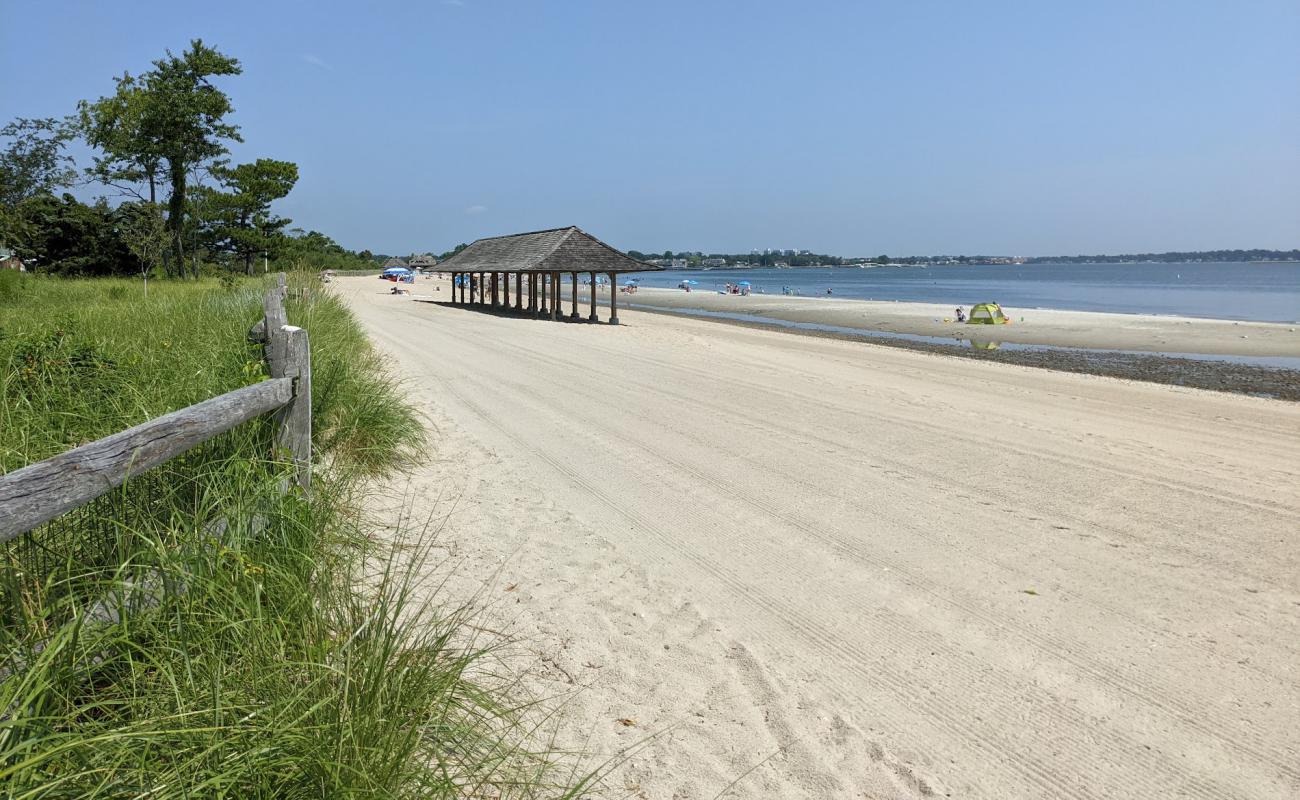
column 987, row 314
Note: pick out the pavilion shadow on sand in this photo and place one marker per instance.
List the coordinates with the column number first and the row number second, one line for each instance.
column 536, row 261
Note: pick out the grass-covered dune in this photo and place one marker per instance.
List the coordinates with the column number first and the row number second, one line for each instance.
column 248, row 662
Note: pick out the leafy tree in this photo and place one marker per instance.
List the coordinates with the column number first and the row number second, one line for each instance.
column 34, row 163
column 240, row 221
column 68, row 237
column 165, row 123
column 143, row 231
column 125, row 128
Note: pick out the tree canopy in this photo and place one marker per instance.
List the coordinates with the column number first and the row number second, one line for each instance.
column 165, row 123
column 34, row 163
column 239, row 220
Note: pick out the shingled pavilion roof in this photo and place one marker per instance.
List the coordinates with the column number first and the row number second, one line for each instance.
column 556, row 250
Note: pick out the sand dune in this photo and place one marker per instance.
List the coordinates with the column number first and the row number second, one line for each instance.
column 869, row 571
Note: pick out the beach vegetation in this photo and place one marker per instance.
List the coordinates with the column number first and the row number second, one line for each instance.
column 200, row 633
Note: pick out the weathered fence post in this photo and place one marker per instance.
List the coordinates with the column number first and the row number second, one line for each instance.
column 273, row 309
column 289, row 354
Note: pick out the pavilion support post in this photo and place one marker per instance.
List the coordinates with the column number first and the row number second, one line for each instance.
column 494, row 290
column 519, row 290
column 453, row 287
column 557, row 302
column 535, row 294
column 613, row 299
column 593, row 317
column 546, row 308
column 573, row 312
column 506, row 290
column 482, row 288
column 460, row 288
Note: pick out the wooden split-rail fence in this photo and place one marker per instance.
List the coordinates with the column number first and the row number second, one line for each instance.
column 40, row 492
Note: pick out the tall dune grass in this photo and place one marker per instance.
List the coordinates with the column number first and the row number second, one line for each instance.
column 246, row 661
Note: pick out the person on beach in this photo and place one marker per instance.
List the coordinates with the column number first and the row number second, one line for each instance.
column 961, row 315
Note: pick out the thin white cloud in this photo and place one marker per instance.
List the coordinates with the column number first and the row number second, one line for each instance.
column 315, row 61
column 476, row 209
column 453, row 2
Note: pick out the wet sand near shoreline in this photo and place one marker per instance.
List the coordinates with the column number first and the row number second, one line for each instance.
column 864, row 571
column 1087, row 329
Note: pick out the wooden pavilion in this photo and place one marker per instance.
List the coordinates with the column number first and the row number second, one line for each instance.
column 536, row 261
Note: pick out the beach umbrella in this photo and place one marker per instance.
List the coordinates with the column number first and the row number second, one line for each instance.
column 743, row 283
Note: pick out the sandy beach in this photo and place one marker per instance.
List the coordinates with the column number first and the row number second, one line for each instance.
column 1029, row 326
column 794, row 567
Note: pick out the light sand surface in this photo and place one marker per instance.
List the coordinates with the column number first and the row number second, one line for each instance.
column 871, row 572
column 1029, row 326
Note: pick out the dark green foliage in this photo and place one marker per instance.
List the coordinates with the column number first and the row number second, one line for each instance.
column 67, row 237
column 314, row 251
column 239, row 220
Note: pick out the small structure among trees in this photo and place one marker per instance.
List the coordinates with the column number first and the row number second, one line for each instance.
column 537, row 260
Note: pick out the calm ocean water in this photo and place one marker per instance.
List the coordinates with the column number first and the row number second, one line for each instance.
column 1251, row 291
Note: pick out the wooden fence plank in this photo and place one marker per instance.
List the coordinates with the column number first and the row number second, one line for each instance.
column 38, row 493
column 273, row 312
column 290, row 357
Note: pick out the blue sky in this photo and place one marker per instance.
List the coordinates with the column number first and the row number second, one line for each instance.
column 847, row 127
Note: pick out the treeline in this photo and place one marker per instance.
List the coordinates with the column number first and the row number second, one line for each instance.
column 1193, row 255
column 160, row 147
column 698, row 259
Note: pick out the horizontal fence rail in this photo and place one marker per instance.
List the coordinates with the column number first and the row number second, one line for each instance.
column 36, row 494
